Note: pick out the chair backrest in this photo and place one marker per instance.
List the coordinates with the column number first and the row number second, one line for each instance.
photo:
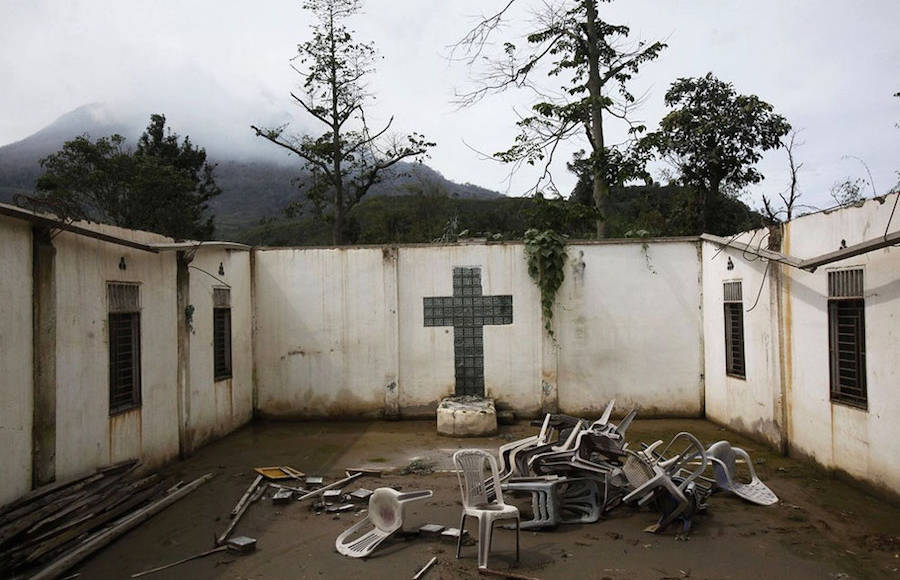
column 692, row 450
column 476, row 489
column 722, row 453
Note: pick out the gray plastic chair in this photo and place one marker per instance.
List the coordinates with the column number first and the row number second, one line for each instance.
column 724, row 460
column 481, row 501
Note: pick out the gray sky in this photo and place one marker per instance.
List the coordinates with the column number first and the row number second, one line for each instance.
column 216, row 66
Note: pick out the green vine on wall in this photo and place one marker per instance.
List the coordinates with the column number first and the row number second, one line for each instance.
column 546, row 255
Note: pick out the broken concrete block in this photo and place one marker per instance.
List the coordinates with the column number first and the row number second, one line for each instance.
column 361, row 494
column 282, row 496
column 241, row 544
column 431, row 530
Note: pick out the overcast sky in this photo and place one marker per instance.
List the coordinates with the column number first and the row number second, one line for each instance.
column 216, row 66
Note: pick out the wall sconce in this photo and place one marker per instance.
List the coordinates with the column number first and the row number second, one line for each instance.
column 122, row 264
column 843, row 244
column 221, row 269
column 730, row 265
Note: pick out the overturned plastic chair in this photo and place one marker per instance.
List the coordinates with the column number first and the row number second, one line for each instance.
column 481, row 500
column 724, row 460
column 386, row 510
column 649, row 474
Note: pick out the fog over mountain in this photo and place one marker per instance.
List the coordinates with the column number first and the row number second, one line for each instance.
column 256, row 182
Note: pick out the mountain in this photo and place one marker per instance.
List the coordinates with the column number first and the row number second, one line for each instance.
column 252, row 190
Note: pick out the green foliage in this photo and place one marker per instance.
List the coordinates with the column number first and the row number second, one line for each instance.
column 163, row 186
column 347, row 159
column 595, row 62
column 714, row 136
column 546, row 255
column 661, row 210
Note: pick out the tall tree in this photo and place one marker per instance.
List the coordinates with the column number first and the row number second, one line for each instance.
column 347, row 159
column 714, row 137
column 163, row 186
column 595, row 62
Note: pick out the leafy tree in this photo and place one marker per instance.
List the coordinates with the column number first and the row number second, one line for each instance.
column 162, row 186
column 347, row 159
column 596, row 63
column 713, row 137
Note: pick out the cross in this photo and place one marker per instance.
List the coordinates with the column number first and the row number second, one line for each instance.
column 467, row 311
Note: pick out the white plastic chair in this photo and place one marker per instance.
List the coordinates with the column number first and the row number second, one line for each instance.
column 470, row 465
column 386, row 510
column 724, row 460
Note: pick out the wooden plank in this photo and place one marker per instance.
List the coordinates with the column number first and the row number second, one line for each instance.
column 97, row 541
column 246, row 497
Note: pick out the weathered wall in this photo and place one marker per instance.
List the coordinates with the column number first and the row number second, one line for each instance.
column 317, row 354
column 752, row 404
column 629, row 327
column 323, row 331
column 512, row 352
column 218, row 407
column 15, row 358
column 86, row 435
column 786, row 393
column 864, row 443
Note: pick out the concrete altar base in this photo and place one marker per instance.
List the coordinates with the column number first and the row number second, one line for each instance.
column 466, row 417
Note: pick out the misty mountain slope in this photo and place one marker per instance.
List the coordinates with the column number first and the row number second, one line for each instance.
column 251, row 189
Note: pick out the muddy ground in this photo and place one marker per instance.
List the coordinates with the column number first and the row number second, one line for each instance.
column 822, row 528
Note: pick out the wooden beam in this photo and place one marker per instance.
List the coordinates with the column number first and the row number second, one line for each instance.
column 855, row 250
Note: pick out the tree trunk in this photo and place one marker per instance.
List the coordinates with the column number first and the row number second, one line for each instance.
column 337, row 232
column 595, row 84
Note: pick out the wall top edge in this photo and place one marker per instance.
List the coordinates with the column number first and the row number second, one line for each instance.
column 606, row 242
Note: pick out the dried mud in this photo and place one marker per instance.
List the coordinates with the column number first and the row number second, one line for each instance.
column 823, row 527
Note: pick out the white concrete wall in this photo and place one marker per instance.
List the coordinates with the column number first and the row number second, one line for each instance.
column 864, row 443
column 323, row 331
column 751, row 405
column 317, row 354
column 792, row 349
column 86, row 435
column 218, row 407
column 512, row 353
column 15, row 358
column 629, row 327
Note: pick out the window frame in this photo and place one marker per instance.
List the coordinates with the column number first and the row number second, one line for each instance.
column 223, row 368
column 123, row 312
column 846, row 300
column 733, row 310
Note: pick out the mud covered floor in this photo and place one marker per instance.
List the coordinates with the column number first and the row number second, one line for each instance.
column 822, row 528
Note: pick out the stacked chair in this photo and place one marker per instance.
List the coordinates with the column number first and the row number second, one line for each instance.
column 575, row 471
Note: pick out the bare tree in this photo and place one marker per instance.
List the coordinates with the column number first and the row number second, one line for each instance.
column 347, row 159
column 596, row 61
column 790, row 196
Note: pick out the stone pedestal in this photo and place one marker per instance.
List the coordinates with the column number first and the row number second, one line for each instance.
column 466, row 417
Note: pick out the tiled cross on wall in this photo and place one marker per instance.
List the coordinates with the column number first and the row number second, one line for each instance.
column 468, row 312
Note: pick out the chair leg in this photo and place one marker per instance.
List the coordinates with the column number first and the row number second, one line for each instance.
column 517, row 539
column 462, row 529
column 483, row 541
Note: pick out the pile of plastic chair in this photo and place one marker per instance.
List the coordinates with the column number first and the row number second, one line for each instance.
column 575, row 471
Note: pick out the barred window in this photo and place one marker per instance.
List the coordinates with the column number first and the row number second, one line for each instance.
column 847, row 337
column 221, row 333
column 124, row 328
column 734, row 330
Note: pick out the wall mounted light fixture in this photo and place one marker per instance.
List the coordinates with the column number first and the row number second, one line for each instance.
column 221, row 269
column 730, row 265
column 122, row 264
